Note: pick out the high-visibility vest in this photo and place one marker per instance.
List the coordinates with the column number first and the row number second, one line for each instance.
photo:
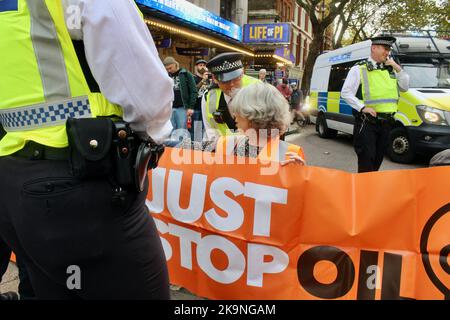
column 41, row 80
column 379, row 90
column 275, row 149
column 212, row 105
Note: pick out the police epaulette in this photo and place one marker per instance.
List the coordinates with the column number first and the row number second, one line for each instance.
column 366, row 63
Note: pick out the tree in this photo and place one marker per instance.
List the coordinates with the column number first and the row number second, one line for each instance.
column 358, row 20
column 365, row 19
column 335, row 7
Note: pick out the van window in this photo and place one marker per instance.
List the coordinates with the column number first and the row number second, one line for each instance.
column 427, row 75
column 338, row 75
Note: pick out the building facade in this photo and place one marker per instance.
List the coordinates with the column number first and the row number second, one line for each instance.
column 295, row 52
column 192, row 30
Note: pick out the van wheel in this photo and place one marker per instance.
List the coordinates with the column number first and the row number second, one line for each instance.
column 400, row 148
column 322, row 128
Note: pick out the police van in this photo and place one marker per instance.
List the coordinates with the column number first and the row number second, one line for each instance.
column 423, row 117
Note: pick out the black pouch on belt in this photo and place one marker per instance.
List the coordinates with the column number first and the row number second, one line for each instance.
column 90, row 142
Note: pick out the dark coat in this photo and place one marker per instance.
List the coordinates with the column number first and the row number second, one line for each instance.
column 188, row 89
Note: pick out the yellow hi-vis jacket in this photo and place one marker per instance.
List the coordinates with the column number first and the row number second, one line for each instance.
column 379, row 90
column 212, row 105
column 275, row 150
column 41, row 80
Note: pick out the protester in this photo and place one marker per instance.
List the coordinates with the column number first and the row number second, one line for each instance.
column 259, row 111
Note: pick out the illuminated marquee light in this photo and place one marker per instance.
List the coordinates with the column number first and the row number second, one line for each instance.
column 281, row 59
column 197, row 36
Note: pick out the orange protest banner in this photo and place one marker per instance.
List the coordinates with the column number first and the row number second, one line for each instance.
column 231, row 232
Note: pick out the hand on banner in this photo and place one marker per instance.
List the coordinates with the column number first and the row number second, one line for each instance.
column 293, row 158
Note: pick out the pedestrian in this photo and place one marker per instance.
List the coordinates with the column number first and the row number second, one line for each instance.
column 296, row 100
column 82, row 232
column 376, row 81
column 262, row 75
column 441, row 159
column 285, row 89
column 203, row 82
column 228, row 76
column 185, row 93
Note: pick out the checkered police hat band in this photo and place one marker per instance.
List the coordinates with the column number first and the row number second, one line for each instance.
column 45, row 114
column 227, row 66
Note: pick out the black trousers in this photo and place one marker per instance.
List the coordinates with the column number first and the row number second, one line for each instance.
column 370, row 140
column 5, row 254
column 57, row 224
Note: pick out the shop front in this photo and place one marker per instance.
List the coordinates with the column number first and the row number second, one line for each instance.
column 188, row 32
column 270, row 43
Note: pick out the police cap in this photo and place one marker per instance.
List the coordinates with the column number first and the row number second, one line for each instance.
column 384, row 40
column 200, row 61
column 226, row 66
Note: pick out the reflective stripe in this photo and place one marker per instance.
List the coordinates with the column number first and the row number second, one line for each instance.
column 365, row 79
column 381, row 101
column 49, row 55
column 212, row 107
column 44, row 114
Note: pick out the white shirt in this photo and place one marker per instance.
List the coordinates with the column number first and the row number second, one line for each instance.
column 353, row 81
column 210, row 132
column 124, row 61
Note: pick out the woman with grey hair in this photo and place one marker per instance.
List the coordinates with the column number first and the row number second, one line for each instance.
column 262, row 116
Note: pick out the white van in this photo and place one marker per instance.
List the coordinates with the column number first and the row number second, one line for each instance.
column 423, row 117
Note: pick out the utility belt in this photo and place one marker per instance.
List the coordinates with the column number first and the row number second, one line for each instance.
column 102, row 148
column 381, row 118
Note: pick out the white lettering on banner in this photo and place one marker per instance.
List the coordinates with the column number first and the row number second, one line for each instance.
column 257, row 267
column 158, row 177
column 256, row 254
column 264, row 197
column 197, row 198
column 236, row 260
column 235, row 217
column 187, row 237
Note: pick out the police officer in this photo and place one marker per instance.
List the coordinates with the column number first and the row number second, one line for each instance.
column 75, row 240
column 376, row 81
column 228, row 75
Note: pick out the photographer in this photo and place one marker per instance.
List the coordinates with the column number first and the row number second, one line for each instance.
column 203, row 82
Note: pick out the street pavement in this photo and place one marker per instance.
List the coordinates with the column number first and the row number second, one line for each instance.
column 329, row 153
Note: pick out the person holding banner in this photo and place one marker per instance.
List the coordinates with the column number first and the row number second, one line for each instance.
column 261, row 114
